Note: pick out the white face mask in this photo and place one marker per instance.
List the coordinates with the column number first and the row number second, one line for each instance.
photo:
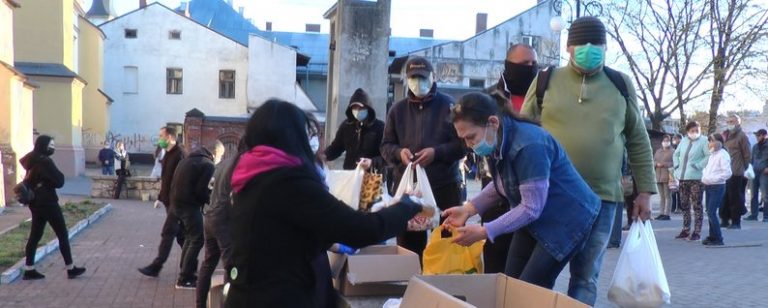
column 314, row 143
column 665, row 144
column 694, row 136
column 420, row 86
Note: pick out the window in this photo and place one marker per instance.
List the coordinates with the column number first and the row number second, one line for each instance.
column 392, row 53
column 130, row 80
column 476, row 83
column 174, row 35
column 131, row 33
column 174, row 83
column 530, row 40
column 226, row 84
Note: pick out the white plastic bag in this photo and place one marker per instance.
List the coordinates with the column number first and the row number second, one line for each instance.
column 345, row 185
column 639, row 279
column 421, row 192
column 750, row 173
column 392, row 303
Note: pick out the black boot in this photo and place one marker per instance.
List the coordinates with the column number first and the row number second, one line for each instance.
column 151, row 270
column 75, row 271
column 32, row 275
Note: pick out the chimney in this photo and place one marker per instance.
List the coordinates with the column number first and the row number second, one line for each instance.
column 481, row 22
column 142, row 3
column 269, row 26
column 241, row 10
column 426, row 33
column 313, row 28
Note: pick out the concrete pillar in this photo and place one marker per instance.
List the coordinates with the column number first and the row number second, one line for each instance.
column 359, row 49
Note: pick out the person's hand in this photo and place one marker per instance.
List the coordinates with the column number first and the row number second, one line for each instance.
column 425, row 157
column 457, row 216
column 158, row 203
column 406, row 156
column 468, row 235
column 642, row 206
column 365, row 163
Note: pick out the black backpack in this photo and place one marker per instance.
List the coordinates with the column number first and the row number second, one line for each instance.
column 25, row 192
column 542, row 81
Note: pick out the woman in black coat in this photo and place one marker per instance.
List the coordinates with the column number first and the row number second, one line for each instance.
column 283, row 218
column 45, row 178
column 359, row 136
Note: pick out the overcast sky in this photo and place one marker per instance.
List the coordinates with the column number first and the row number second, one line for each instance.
column 451, row 19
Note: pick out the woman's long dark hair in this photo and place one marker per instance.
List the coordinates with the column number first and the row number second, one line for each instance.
column 476, row 107
column 281, row 125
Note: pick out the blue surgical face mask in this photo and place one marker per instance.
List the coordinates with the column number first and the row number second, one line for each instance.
column 360, row 114
column 588, row 57
column 420, row 86
column 484, row 148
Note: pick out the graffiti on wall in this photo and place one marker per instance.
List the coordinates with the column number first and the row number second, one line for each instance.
column 135, row 142
column 448, row 72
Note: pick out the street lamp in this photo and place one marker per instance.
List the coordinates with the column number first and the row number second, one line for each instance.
column 592, row 8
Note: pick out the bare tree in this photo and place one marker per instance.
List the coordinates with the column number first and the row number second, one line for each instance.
column 661, row 41
column 736, row 30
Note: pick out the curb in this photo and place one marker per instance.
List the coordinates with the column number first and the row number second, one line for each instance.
column 14, row 271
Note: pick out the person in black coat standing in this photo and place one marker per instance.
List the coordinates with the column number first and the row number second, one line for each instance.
column 359, row 136
column 283, row 217
column 190, row 191
column 44, row 178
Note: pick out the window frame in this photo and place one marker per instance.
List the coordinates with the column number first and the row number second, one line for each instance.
column 222, row 82
column 169, row 79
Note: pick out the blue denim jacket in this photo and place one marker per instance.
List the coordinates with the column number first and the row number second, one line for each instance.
column 527, row 153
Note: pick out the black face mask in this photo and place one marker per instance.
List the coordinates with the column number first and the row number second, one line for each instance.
column 518, row 77
column 49, row 151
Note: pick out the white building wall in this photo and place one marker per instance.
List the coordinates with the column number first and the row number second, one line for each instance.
column 6, row 33
column 201, row 53
column 272, row 74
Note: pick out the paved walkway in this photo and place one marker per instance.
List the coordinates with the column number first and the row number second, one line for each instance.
column 127, row 238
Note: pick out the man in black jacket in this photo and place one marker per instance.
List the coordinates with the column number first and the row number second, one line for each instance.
column 360, row 135
column 419, row 131
column 189, row 192
column 173, row 155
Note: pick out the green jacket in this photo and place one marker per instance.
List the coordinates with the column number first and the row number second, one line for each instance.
column 695, row 160
column 596, row 131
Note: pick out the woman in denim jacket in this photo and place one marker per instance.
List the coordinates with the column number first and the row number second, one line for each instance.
column 552, row 208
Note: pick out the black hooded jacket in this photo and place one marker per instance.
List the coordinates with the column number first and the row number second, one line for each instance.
column 190, row 186
column 358, row 139
column 43, row 175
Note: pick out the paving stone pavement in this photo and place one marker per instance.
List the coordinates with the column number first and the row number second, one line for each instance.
column 112, row 250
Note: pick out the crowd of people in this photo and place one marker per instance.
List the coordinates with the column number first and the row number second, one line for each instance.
column 560, row 152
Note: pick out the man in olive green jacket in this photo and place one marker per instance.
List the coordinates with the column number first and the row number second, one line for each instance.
column 737, row 145
column 588, row 115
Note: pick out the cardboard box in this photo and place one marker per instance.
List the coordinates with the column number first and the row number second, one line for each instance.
column 483, row 291
column 216, row 292
column 374, row 270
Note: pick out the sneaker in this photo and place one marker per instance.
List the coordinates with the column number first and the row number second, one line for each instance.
column 751, row 218
column 694, row 237
column 150, row 270
column 663, row 217
column 625, row 228
column 659, row 217
column 75, row 271
column 613, row 246
column 734, row 227
column 32, row 275
column 712, row 242
column 724, row 224
column 683, row 234
column 186, row 285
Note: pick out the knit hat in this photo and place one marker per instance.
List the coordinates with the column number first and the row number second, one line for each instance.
column 585, row 30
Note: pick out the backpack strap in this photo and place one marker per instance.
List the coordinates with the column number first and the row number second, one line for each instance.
column 542, row 81
column 617, row 81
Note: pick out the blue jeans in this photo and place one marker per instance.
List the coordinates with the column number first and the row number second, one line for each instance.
column 755, row 202
column 107, row 170
column 615, row 239
column 585, row 265
column 715, row 194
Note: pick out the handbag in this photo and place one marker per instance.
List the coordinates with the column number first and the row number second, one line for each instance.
column 24, row 191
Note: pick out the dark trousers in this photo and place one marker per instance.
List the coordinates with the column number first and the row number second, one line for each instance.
column 629, row 205
column 446, row 197
column 40, row 216
column 218, row 245
column 755, row 201
column 192, row 226
column 675, row 201
column 121, row 176
column 171, row 230
column 529, row 261
column 495, row 253
column 733, row 205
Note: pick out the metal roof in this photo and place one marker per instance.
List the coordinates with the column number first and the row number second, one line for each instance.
column 45, row 69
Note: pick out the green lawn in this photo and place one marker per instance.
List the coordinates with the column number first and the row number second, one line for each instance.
column 12, row 243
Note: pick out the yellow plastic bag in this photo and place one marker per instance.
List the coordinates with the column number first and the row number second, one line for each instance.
column 442, row 257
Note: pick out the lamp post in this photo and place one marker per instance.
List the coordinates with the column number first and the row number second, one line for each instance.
column 590, row 7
